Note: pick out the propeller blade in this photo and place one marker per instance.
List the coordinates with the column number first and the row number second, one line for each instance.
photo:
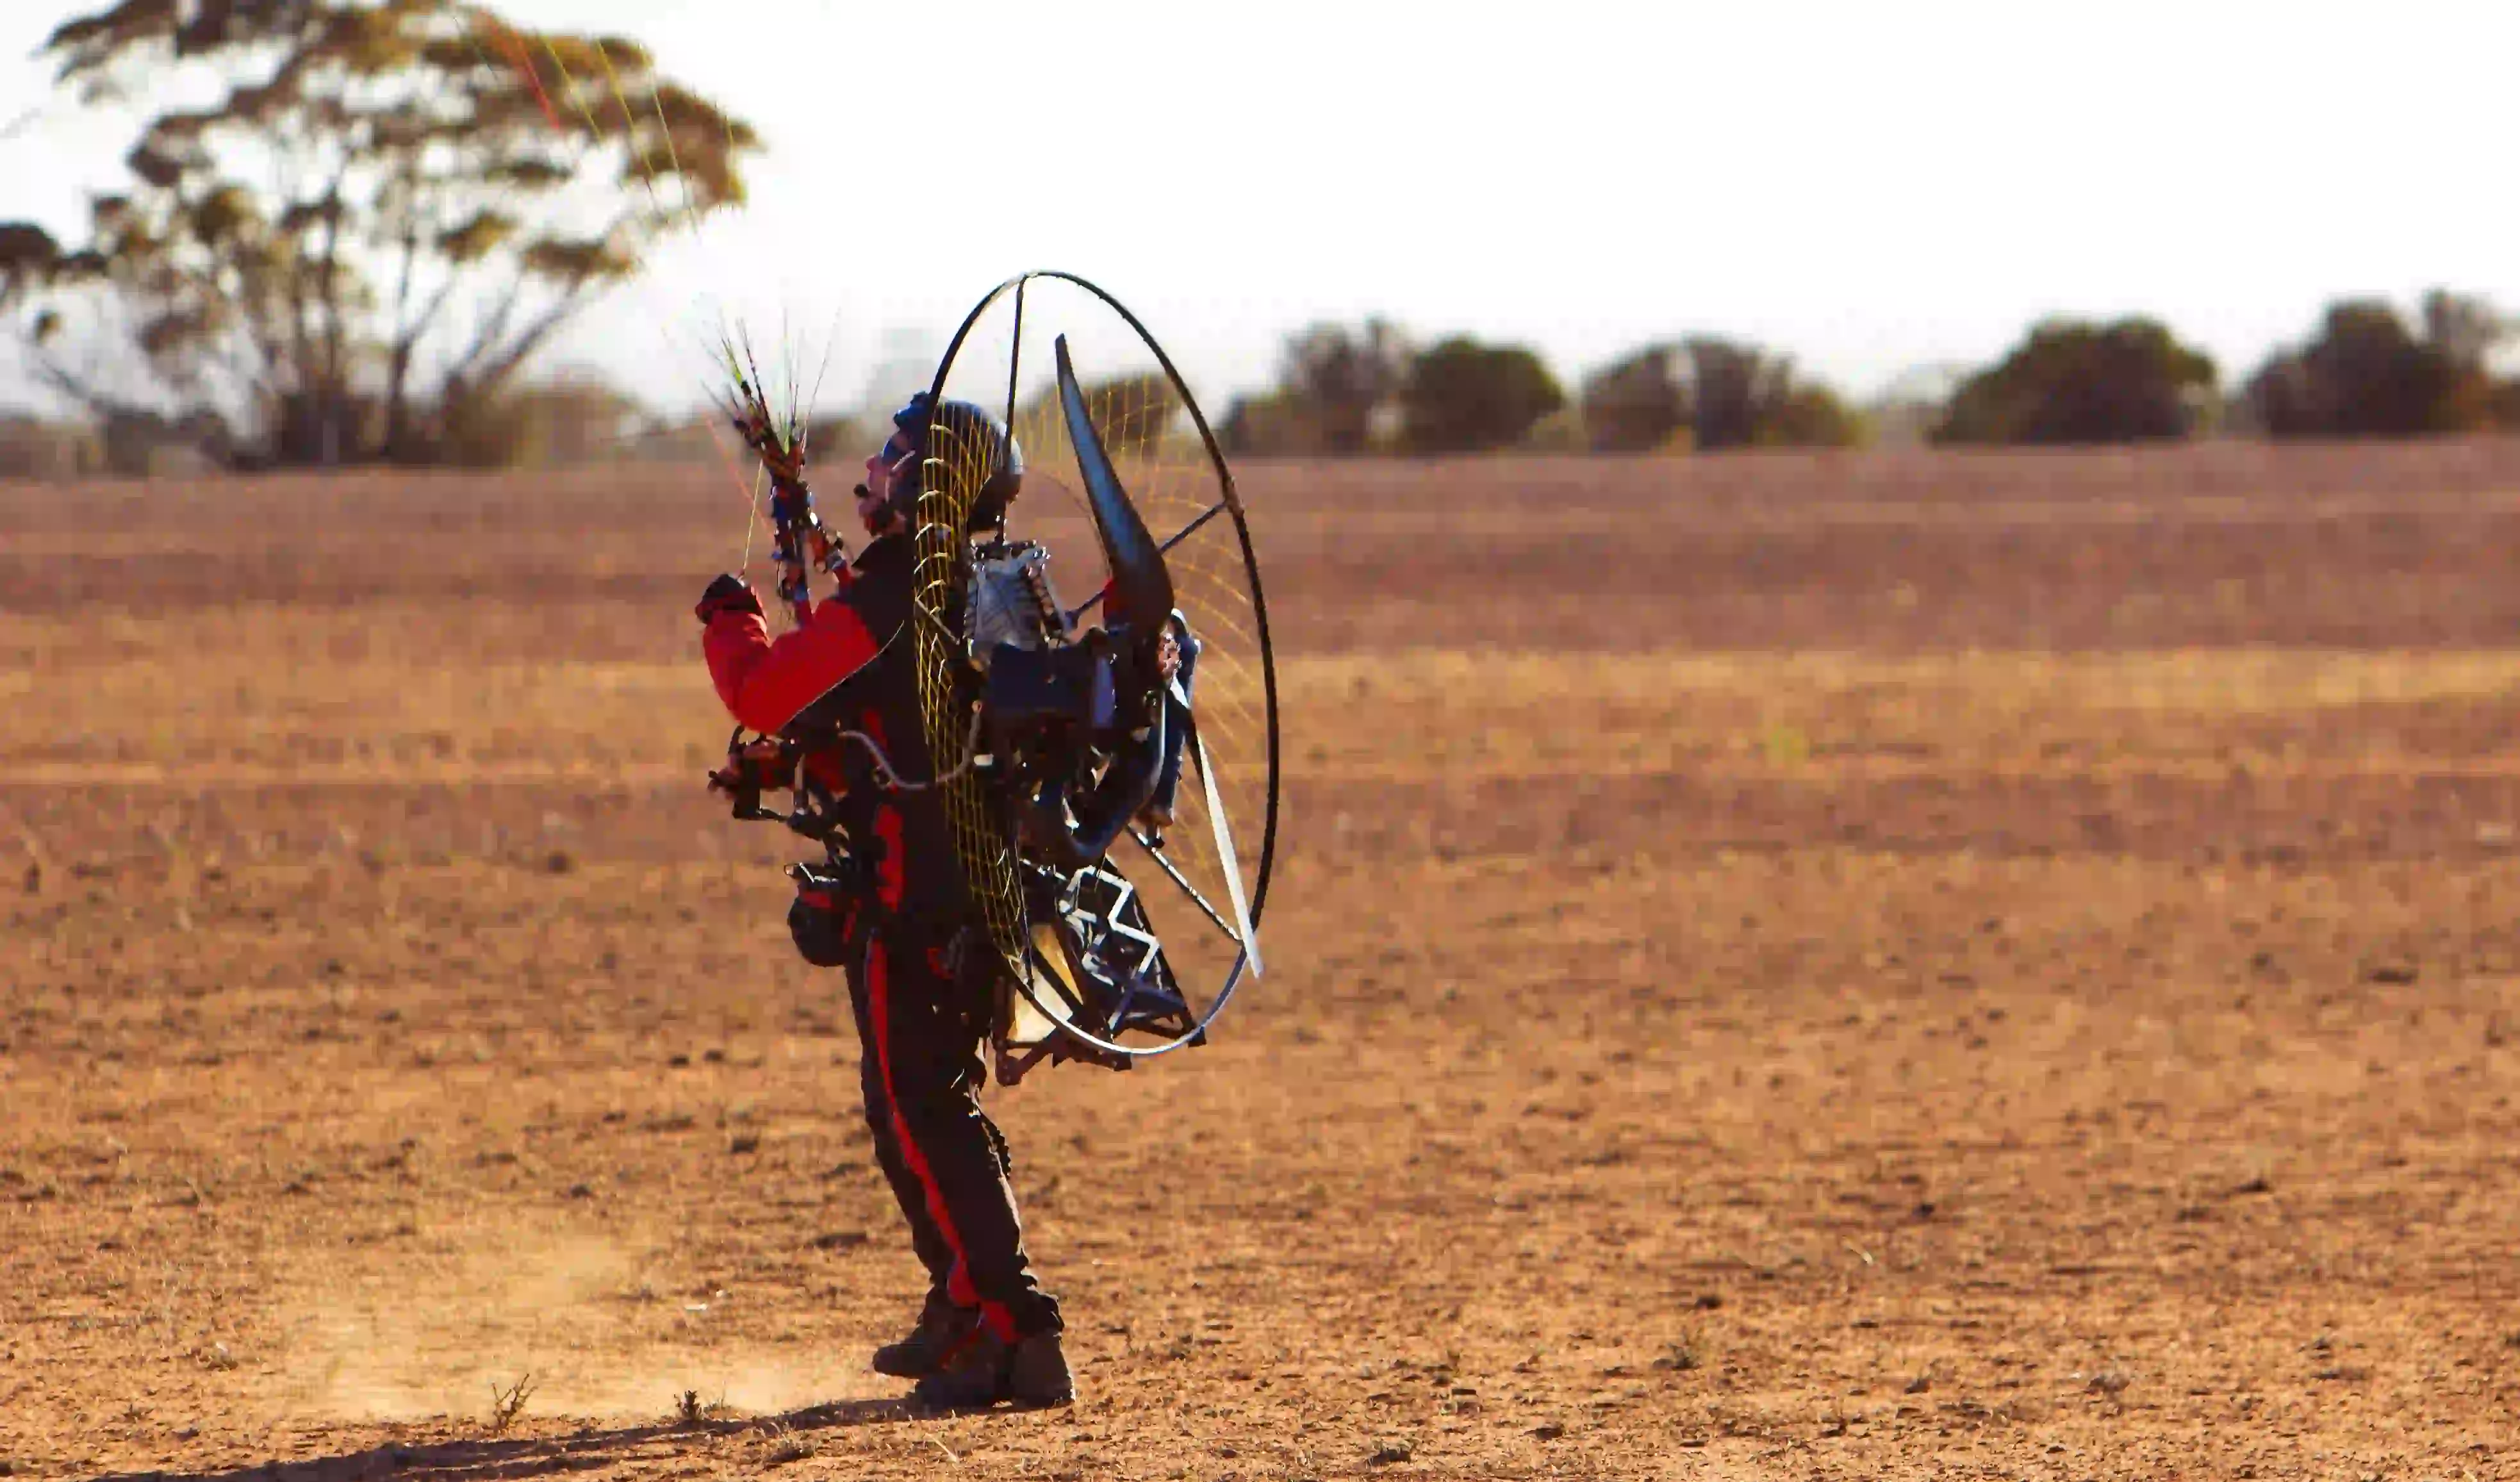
column 1224, row 828
column 1141, row 587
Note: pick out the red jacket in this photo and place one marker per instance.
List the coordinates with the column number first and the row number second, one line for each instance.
column 764, row 682
column 848, row 666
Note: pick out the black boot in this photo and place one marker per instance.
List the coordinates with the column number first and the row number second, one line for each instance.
column 944, row 1329
column 1030, row 1372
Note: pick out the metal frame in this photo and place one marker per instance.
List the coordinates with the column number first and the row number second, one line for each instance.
column 1100, row 1041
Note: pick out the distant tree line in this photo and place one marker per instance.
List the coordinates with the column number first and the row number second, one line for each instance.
column 2364, row 371
column 347, row 229
column 1343, row 391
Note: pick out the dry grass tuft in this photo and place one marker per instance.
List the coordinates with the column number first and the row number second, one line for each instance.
column 507, row 1404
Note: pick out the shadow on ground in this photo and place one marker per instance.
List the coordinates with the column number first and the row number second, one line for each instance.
column 482, row 1458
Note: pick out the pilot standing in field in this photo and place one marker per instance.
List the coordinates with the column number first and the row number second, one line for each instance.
column 987, row 1332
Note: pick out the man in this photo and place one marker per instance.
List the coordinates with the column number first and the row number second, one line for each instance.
column 901, row 924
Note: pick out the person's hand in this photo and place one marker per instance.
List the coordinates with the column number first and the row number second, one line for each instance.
column 876, row 513
column 727, row 594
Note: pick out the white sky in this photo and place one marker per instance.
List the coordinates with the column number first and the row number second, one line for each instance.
column 1868, row 186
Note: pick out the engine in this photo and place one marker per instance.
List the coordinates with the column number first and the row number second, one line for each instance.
column 1086, row 734
column 1012, row 602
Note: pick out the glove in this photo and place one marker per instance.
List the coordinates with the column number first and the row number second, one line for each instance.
column 727, row 594
column 755, row 768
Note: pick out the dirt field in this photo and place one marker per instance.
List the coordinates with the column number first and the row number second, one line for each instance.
column 1844, row 968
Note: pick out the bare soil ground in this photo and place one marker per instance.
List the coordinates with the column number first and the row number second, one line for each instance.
column 1799, row 968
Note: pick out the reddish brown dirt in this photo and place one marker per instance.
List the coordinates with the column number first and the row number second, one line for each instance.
column 1841, row 968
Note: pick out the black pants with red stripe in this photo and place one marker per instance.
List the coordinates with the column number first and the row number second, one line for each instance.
column 919, row 1030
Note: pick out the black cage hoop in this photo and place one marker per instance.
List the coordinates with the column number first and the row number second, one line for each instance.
column 989, row 875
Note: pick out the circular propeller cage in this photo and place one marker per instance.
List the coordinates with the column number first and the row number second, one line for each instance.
column 1169, row 916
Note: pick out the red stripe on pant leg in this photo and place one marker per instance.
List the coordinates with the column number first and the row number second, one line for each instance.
column 959, row 1286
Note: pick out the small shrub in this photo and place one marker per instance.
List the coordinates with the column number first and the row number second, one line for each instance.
column 508, row 1403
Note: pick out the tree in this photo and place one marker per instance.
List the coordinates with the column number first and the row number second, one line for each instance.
column 2075, row 381
column 1811, row 417
column 1463, row 396
column 1731, row 389
column 1342, row 377
column 2367, row 375
column 2465, row 328
column 571, row 418
column 1722, row 392
column 32, row 448
column 1332, row 384
column 1269, row 425
column 388, row 207
column 1637, row 403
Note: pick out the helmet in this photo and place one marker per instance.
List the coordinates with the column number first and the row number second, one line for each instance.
column 967, row 421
